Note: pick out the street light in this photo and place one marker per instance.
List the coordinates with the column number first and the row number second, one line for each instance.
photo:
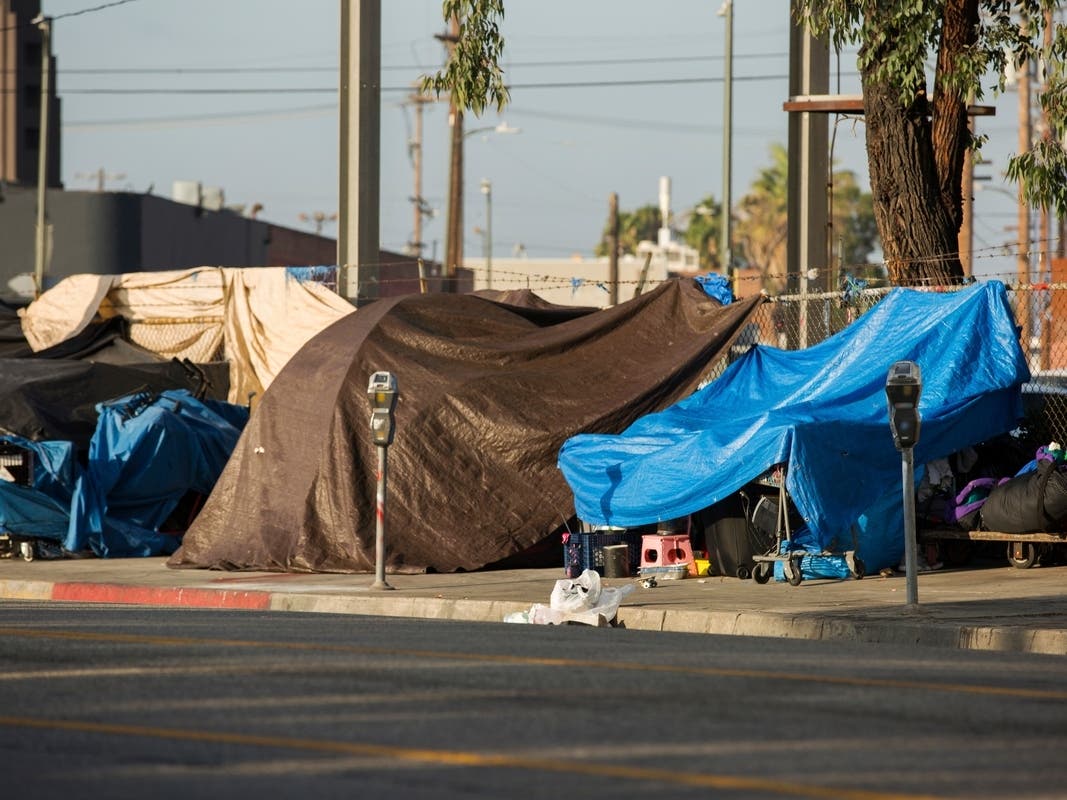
column 503, row 127
column 487, row 190
column 454, row 242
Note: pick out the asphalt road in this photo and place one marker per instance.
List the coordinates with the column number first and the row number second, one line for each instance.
column 121, row 702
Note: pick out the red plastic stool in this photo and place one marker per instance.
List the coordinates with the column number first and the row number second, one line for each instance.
column 665, row 551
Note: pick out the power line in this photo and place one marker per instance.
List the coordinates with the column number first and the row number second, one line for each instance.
column 71, row 14
column 393, row 67
column 196, row 119
column 91, row 10
column 331, row 89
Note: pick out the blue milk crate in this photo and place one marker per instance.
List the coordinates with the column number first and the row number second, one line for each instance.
column 582, row 550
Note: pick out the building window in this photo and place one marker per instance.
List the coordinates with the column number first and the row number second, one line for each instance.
column 31, row 138
column 31, row 97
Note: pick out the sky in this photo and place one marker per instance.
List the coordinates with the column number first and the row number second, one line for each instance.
column 607, row 96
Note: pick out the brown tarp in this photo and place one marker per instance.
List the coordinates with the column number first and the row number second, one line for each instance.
column 489, row 391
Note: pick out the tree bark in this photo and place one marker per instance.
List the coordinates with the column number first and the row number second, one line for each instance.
column 916, row 225
column 951, row 132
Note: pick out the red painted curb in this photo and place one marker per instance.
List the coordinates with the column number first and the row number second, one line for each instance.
column 145, row 595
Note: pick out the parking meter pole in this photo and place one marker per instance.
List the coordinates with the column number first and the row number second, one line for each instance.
column 382, row 392
column 911, row 561
column 379, row 530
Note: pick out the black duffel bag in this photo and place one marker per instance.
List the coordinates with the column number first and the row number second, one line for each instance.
column 1029, row 503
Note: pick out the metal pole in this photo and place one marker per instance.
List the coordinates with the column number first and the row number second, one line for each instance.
column 727, row 11
column 1023, row 293
column 45, row 25
column 911, row 561
column 487, row 190
column 359, row 107
column 379, row 530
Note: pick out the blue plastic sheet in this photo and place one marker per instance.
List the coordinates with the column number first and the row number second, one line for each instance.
column 147, row 453
column 821, row 410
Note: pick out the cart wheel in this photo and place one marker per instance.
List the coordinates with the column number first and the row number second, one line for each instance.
column 26, row 549
column 743, row 573
column 792, row 572
column 649, row 583
column 1022, row 555
column 761, row 572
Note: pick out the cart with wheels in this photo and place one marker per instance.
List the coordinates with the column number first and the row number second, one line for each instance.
column 783, row 551
column 1024, row 550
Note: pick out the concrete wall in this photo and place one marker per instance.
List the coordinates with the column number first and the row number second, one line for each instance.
column 112, row 232
column 107, row 233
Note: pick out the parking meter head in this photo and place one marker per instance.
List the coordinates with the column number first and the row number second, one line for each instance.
column 903, row 387
column 382, row 392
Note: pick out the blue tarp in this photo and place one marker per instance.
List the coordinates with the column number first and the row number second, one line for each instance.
column 147, row 453
column 821, row 410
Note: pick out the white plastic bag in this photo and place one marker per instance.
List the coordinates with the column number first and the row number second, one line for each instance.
column 579, row 594
column 580, row 601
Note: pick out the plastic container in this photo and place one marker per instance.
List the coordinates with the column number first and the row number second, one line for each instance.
column 582, row 551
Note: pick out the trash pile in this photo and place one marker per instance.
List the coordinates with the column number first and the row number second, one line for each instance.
column 577, row 601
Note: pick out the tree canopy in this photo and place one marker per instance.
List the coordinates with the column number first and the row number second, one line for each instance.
column 472, row 74
column 918, row 135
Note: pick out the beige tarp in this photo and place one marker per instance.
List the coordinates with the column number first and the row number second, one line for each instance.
column 259, row 317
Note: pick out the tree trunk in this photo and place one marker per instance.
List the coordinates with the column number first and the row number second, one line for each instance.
column 951, row 132
column 916, row 224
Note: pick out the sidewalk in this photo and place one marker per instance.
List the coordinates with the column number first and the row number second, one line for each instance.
column 983, row 608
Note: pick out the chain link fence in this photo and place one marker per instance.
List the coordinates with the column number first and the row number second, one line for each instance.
column 788, row 321
column 793, row 322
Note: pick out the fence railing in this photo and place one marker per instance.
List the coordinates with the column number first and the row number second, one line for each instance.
column 796, row 321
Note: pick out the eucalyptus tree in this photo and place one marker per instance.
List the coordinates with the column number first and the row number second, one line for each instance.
column 917, row 124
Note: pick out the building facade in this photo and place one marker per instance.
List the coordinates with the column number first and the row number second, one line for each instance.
column 20, row 99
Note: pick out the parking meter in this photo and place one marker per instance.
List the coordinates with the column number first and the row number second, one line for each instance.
column 903, row 386
column 383, row 394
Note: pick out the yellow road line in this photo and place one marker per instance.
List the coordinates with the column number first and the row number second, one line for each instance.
column 566, row 663
column 466, row 758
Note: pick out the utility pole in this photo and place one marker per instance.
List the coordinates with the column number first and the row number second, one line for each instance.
column 809, row 163
column 1043, row 226
column 613, row 247
column 487, row 190
column 40, row 250
column 725, row 246
column 358, row 249
column 318, row 219
column 1022, row 311
column 100, row 177
column 454, row 232
column 415, row 149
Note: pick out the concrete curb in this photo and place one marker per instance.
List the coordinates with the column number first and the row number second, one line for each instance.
column 899, row 630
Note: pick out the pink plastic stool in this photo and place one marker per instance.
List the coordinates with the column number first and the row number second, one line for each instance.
column 665, row 551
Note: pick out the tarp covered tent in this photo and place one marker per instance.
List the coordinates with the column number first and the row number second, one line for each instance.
column 261, row 315
column 149, row 452
column 43, row 399
column 488, row 393
column 822, row 411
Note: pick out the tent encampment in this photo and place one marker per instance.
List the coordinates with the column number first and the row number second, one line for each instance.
column 149, row 454
column 821, row 411
column 488, row 391
column 259, row 316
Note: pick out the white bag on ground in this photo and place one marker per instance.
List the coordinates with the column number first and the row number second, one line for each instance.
column 582, row 600
column 578, row 594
